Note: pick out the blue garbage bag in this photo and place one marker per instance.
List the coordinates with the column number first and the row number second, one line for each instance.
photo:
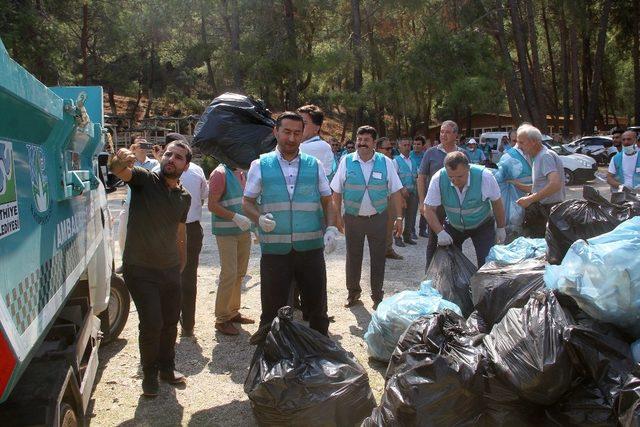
column 517, row 251
column 510, row 168
column 396, row 313
column 602, row 275
column 635, row 351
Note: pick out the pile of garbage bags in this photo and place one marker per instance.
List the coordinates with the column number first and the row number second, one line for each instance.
column 520, row 249
column 394, row 315
column 235, row 130
column 602, row 275
column 450, row 272
column 299, row 377
column 576, row 219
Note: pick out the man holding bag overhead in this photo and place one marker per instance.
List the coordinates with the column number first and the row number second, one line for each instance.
column 294, row 208
column 471, row 200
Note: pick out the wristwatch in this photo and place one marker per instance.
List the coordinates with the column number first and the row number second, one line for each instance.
column 399, row 218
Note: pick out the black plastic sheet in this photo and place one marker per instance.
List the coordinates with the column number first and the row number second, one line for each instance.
column 628, row 402
column 527, row 351
column 235, row 130
column 450, row 272
column 581, row 219
column 299, row 377
column 497, row 288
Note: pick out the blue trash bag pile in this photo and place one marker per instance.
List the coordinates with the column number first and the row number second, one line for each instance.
column 517, row 251
column 602, row 275
column 396, row 313
column 510, row 168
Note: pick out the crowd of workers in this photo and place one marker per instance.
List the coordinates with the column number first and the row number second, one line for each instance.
column 299, row 199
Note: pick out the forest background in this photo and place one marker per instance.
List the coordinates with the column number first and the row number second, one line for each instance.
column 398, row 65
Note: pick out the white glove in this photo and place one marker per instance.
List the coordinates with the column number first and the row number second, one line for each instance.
column 444, row 239
column 241, row 221
column 330, row 241
column 266, row 222
column 501, row 235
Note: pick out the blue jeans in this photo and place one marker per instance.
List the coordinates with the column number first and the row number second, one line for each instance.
column 483, row 238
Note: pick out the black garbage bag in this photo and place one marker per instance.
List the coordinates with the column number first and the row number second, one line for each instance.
column 496, row 288
column 299, row 377
column 585, row 405
column 476, row 322
column 235, row 130
column 628, row 198
column 435, row 376
column 527, row 351
column 450, row 272
column 581, row 219
column 628, row 401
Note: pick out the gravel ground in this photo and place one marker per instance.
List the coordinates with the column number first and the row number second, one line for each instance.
column 217, row 365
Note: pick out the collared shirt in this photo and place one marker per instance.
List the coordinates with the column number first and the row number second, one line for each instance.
column 544, row 163
column 194, row 181
column 321, row 150
column 490, row 189
column 148, row 164
column 406, row 159
column 366, row 207
column 433, row 161
column 628, row 168
column 253, row 187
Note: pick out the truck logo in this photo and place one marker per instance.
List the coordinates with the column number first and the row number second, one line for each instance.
column 39, row 181
column 9, row 217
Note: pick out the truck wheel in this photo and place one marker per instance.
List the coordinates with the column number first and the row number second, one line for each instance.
column 118, row 310
column 68, row 417
column 568, row 177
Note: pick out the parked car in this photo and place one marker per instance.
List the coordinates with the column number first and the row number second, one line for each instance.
column 598, row 147
column 493, row 140
column 578, row 167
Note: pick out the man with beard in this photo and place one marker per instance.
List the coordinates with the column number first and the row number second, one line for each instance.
column 154, row 256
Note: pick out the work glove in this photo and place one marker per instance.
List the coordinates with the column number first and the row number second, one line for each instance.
column 330, row 241
column 266, row 222
column 241, row 221
column 444, row 239
column 501, row 235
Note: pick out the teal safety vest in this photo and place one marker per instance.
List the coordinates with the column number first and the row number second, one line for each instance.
column 473, row 211
column 299, row 218
column 416, row 159
column 407, row 176
column 334, row 168
column 231, row 200
column 355, row 185
column 617, row 161
column 474, row 156
column 525, row 175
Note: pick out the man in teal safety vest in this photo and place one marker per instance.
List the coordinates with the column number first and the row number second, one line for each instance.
column 474, row 155
column 471, row 200
column 408, row 172
column 295, row 206
column 367, row 182
column 624, row 168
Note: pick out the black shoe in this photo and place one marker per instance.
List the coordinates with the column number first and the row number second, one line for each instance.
column 150, row 384
column 173, row 377
column 393, row 255
column 353, row 300
column 375, row 304
column 409, row 241
column 398, row 242
column 187, row 333
column 260, row 335
column 423, row 233
column 414, row 236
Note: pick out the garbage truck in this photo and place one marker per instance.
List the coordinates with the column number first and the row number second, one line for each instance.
column 59, row 296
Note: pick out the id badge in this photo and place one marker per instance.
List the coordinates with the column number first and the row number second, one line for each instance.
column 377, row 175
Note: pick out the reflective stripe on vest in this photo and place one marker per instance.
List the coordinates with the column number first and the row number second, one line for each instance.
column 617, row 162
column 232, row 201
column 299, row 218
column 407, row 176
column 355, row 185
column 473, row 211
column 525, row 175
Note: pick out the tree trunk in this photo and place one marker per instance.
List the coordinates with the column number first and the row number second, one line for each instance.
column 594, row 97
column 205, row 43
column 564, row 54
column 535, row 60
column 112, row 101
column 84, row 42
column 292, row 79
column 636, row 61
column 575, row 86
column 356, row 40
column 232, row 26
column 552, row 65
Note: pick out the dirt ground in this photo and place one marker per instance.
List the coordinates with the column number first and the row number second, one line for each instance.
column 217, row 365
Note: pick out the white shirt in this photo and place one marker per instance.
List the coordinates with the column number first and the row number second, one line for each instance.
column 393, row 180
column 490, row 189
column 194, row 181
column 407, row 160
column 319, row 149
column 628, row 169
column 253, row 187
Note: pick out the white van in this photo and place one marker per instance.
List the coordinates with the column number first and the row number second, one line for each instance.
column 494, row 140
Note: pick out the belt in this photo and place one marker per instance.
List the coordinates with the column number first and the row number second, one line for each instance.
column 193, row 222
column 363, row 216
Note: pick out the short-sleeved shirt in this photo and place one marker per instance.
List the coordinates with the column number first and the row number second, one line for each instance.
column 544, row 163
column 154, row 214
column 366, row 207
column 628, row 168
column 194, row 181
column 321, row 150
column 489, row 187
column 218, row 180
column 253, row 187
column 432, row 162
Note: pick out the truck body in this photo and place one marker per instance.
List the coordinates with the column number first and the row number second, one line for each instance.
column 56, row 248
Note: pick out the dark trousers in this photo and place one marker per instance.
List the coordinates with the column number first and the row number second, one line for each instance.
column 310, row 273
column 374, row 228
column 432, row 242
column 422, row 226
column 190, row 275
column 483, row 238
column 535, row 219
column 156, row 293
column 410, row 215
